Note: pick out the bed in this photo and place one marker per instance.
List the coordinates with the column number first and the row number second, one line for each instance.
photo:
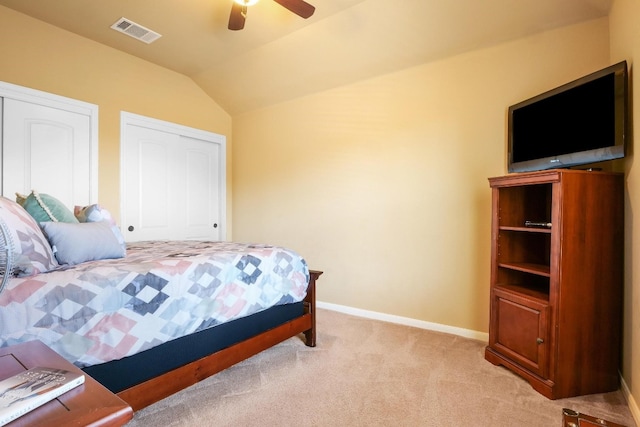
column 146, row 319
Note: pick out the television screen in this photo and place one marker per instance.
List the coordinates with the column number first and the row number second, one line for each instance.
column 575, row 124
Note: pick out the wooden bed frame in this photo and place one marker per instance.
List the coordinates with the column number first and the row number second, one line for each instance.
column 151, row 391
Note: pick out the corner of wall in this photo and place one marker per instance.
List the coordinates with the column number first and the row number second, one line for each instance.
column 633, row 405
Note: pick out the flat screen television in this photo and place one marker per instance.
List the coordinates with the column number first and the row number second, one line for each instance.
column 578, row 123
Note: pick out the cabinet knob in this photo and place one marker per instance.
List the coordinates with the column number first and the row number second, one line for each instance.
column 539, row 340
column 130, row 228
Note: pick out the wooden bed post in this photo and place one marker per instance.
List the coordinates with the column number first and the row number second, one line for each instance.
column 310, row 307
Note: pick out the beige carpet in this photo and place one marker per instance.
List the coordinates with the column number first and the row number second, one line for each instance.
column 371, row 373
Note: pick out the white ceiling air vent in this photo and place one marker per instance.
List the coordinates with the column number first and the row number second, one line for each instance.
column 136, row 31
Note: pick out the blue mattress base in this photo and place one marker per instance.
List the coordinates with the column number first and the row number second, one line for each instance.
column 118, row 375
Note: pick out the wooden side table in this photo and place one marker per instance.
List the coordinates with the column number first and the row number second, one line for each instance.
column 88, row 404
column 571, row 418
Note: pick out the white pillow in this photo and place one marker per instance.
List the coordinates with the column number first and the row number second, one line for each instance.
column 80, row 242
column 96, row 213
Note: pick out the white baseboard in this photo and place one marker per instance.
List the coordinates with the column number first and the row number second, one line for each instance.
column 467, row 333
column 633, row 405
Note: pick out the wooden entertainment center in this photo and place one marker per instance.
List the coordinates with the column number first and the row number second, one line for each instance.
column 557, row 284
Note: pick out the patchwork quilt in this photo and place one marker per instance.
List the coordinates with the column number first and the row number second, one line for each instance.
column 104, row 310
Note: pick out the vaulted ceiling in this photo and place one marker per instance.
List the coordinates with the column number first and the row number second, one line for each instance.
column 280, row 56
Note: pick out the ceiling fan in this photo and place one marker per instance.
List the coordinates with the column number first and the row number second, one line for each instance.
column 239, row 10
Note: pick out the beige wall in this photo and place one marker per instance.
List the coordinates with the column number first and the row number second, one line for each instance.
column 383, row 184
column 43, row 57
column 625, row 44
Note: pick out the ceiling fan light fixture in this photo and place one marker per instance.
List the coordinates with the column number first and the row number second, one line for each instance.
column 239, row 10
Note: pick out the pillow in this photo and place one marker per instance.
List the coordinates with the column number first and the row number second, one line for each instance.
column 77, row 243
column 95, row 213
column 31, row 251
column 44, row 207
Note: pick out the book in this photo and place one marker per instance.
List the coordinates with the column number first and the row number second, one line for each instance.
column 30, row 389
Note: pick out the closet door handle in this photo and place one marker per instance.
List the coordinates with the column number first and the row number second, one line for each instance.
column 130, row 228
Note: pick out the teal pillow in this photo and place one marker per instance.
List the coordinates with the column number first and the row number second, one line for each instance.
column 44, row 208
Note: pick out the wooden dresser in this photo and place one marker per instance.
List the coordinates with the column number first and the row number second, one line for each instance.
column 557, row 279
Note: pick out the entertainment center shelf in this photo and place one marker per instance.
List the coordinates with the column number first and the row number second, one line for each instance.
column 527, row 267
column 556, row 289
column 527, row 229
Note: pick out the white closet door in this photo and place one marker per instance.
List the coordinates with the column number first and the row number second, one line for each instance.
column 47, row 149
column 202, row 181
column 172, row 183
column 148, row 191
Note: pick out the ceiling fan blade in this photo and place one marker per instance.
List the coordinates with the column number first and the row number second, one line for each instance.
column 237, row 16
column 299, row 7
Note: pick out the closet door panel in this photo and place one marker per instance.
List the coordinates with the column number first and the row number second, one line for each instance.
column 46, row 149
column 151, row 191
column 202, row 199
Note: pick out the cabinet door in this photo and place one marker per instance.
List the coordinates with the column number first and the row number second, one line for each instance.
column 520, row 330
